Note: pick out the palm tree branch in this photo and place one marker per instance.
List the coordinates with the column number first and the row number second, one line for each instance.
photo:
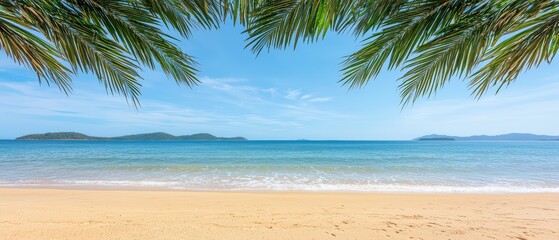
column 404, row 32
column 26, row 48
column 537, row 42
column 278, row 24
column 135, row 28
column 86, row 48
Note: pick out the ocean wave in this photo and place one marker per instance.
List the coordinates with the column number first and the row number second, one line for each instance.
column 308, row 186
column 279, row 168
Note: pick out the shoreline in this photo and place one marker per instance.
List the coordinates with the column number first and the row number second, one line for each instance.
column 272, row 192
column 31, row 213
column 171, row 189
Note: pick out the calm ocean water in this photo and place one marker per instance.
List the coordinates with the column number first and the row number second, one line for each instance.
column 368, row 166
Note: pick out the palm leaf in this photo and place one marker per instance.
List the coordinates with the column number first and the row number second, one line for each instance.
column 279, row 23
column 111, row 39
column 26, row 48
column 535, row 41
column 405, row 31
column 432, row 41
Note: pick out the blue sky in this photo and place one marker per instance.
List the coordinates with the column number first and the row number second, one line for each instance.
column 281, row 94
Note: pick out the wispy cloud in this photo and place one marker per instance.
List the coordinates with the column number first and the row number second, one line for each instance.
column 298, row 95
column 272, row 91
column 320, row 99
column 293, row 94
column 229, row 85
column 306, row 96
column 250, row 97
column 227, row 106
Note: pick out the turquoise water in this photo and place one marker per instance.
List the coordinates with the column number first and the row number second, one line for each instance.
column 365, row 166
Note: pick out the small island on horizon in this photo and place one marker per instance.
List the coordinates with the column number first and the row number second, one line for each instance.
column 156, row 136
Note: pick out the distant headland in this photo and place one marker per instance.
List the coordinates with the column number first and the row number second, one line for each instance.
column 157, row 136
column 503, row 137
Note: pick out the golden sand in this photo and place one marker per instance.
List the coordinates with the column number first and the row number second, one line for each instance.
column 104, row 214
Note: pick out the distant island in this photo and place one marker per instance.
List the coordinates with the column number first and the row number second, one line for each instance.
column 503, row 137
column 157, row 136
column 436, row 139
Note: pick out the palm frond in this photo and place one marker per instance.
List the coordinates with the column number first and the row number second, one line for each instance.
column 280, row 23
column 534, row 41
column 240, row 11
column 366, row 16
column 405, row 31
column 454, row 51
column 136, row 29
column 433, row 41
column 26, row 48
column 185, row 15
column 111, row 39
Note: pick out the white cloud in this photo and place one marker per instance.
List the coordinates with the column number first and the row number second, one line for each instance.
column 320, row 99
column 271, row 91
column 300, row 96
column 229, row 85
column 293, row 94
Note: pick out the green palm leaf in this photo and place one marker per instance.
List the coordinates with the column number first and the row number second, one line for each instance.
column 26, row 48
column 432, row 41
column 109, row 38
column 280, row 23
column 536, row 41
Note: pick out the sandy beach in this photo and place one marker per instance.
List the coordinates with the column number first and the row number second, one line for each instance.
column 117, row 214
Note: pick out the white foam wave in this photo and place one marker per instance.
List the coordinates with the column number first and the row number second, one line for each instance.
column 281, row 186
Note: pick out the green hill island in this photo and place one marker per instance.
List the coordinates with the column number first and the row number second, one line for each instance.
column 157, row 136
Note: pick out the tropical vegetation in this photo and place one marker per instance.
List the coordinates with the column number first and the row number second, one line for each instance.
column 487, row 43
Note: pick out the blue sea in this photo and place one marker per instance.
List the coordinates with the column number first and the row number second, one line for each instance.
column 354, row 166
